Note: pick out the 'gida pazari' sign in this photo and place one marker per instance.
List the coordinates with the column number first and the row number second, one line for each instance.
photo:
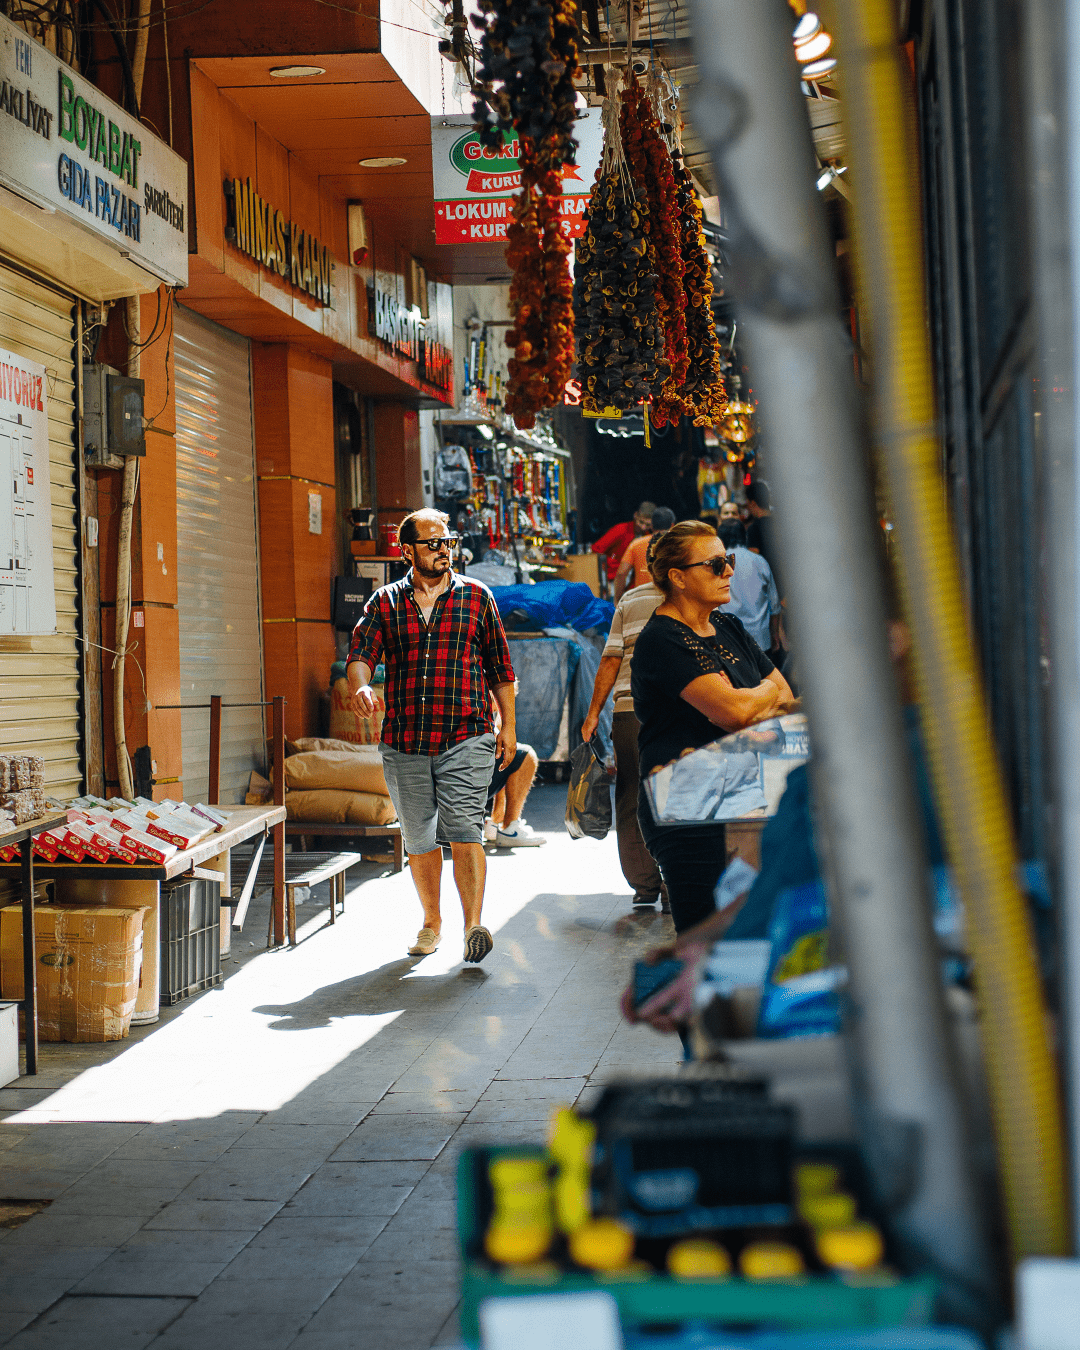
column 276, row 243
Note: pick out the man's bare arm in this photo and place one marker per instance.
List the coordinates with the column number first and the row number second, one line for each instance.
column 506, row 737
column 358, row 675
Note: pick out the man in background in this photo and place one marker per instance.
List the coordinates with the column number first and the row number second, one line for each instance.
column 730, row 511
column 633, row 560
column 754, row 597
column 761, row 531
column 632, row 613
column 614, row 543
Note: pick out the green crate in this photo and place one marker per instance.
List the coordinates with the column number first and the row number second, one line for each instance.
column 813, row 1301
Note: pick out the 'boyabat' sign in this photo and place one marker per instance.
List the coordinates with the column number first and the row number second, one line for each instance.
column 475, row 184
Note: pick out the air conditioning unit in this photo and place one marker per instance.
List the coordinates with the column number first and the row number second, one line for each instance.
column 113, row 423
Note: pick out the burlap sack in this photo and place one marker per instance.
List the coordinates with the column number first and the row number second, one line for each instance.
column 305, row 743
column 346, row 724
column 358, row 770
column 330, row 806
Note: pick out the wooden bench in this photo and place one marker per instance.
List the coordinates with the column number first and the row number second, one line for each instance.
column 318, row 867
column 307, row 829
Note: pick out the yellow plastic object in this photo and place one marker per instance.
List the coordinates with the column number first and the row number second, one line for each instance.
column 602, row 1244
column 828, row 1211
column 512, row 1172
column 816, row 1178
column 770, row 1261
column 517, row 1243
column 1022, row 1077
column 572, row 1207
column 857, row 1247
column 698, row 1259
column 525, row 1200
column 572, row 1139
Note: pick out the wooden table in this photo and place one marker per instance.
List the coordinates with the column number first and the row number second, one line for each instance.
column 23, row 835
column 140, row 884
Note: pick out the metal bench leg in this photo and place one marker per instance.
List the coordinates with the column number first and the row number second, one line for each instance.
column 342, row 881
column 290, row 907
column 333, row 898
column 399, row 852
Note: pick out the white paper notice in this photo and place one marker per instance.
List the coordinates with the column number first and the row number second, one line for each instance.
column 27, row 599
column 314, row 512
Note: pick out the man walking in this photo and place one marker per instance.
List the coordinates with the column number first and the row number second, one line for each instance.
column 632, row 613
column 754, row 597
column 442, row 641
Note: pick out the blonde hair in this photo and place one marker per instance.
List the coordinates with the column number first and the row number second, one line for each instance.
column 672, row 548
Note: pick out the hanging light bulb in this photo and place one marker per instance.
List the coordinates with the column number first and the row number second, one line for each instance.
column 817, row 70
column 813, row 49
column 807, row 27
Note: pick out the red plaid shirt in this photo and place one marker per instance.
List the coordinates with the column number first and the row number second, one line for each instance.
column 438, row 674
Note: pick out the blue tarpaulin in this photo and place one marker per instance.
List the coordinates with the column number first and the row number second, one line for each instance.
column 556, row 604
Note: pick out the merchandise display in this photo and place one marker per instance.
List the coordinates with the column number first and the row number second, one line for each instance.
column 22, row 788
column 689, row 1200
column 138, row 831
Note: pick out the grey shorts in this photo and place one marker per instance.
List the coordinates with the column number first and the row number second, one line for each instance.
column 440, row 799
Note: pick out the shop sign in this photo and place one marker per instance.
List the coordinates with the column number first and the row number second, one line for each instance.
column 27, row 598
column 404, row 329
column 393, row 323
column 67, row 148
column 276, row 243
column 475, row 184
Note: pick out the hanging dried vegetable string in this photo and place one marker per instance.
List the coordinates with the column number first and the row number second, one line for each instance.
column 528, row 61
column 618, row 341
column 654, row 182
column 703, row 389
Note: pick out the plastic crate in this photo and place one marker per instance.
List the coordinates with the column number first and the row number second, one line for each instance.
column 814, row 1301
column 190, row 939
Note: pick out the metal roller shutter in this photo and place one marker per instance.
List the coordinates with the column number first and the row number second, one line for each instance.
column 41, row 677
column 218, row 553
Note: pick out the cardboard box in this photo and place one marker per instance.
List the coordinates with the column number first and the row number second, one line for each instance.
column 89, row 961
column 583, row 567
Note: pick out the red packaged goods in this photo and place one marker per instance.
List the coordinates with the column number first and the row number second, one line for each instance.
column 70, row 845
column 10, row 852
column 175, row 831
column 153, row 850
column 85, row 835
column 122, row 851
column 45, row 846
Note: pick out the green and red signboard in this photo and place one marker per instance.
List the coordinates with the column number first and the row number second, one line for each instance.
column 475, row 184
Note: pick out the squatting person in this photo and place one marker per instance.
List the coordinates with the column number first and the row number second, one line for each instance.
column 442, row 641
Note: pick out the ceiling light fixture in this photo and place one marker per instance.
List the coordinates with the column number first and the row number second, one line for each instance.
column 296, row 72
column 383, row 162
column 813, row 50
column 829, row 175
column 817, row 70
column 808, row 26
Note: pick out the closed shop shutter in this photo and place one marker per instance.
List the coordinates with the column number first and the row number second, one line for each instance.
column 40, row 677
column 218, row 553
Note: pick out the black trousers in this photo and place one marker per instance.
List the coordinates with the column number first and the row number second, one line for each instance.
column 691, row 859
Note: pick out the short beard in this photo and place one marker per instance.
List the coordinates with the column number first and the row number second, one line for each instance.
column 424, row 570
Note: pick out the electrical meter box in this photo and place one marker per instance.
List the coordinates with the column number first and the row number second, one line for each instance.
column 112, row 416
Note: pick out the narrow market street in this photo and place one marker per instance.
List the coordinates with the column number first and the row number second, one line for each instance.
column 273, row 1163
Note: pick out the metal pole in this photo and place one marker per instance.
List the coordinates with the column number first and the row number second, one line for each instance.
column 1052, row 50
column 751, row 113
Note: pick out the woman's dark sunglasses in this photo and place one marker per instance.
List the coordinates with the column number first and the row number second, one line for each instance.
column 449, row 541
column 719, row 565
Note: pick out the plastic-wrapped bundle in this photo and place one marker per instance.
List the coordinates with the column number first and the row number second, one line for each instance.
column 24, row 806
column 618, row 341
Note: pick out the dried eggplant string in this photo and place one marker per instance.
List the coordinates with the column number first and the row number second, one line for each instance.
column 651, row 168
column 528, row 64
column 619, row 343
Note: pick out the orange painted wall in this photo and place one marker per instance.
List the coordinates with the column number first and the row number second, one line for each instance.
column 292, row 395
column 154, row 648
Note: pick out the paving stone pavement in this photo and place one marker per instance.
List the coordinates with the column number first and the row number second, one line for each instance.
column 273, row 1163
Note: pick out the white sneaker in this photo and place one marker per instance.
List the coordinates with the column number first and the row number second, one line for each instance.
column 519, row 834
column 490, row 830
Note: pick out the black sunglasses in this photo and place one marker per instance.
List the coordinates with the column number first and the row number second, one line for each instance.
column 449, row 541
column 719, row 565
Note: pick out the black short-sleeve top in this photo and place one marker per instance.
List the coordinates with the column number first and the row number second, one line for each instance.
column 668, row 656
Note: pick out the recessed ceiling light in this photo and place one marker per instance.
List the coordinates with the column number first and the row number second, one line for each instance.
column 817, row 70
column 383, row 162
column 807, row 27
column 813, row 50
column 296, row 72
